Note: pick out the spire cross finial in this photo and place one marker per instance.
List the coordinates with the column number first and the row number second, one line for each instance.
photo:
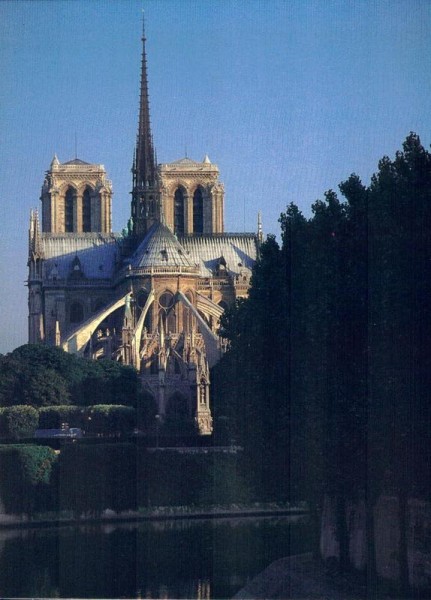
column 143, row 26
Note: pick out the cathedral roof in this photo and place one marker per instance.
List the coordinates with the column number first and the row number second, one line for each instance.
column 238, row 251
column 160, row 248
column 185, row 161
column 186, row 164
column 76, row 161
column 97, row 254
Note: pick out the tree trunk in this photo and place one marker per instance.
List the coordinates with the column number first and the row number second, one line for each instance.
column 342, row 533
column 316, row 524
column 402, row 548
column 371, row 550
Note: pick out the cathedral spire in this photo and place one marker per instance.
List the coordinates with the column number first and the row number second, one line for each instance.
column 145, row 181
column 145, row 157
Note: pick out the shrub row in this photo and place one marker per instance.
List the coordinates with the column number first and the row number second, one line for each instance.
column 19, row 422
column 25, row 477
column 125, row 477
column 117, row 476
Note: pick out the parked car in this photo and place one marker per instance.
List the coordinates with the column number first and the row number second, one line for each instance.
column 69, row 432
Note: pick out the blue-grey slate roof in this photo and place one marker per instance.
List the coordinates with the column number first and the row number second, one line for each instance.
column 97, row 253
column 239, row 250
column 160, row 248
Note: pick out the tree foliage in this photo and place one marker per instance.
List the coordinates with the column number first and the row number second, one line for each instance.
column 330, row 356
column 40, row 375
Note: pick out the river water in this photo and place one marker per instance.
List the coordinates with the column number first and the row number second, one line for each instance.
column 202, row 559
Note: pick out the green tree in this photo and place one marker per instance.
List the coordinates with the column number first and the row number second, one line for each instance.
column 46, row 387
column 44, row 376
column 348, row 389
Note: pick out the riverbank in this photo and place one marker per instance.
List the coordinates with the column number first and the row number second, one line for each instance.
column 303, row 577
column 161, row 513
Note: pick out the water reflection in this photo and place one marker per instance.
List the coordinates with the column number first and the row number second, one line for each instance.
column 200, row 589
column 202, row 560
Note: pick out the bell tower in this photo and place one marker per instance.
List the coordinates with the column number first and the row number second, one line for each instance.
column 76, row 198
column 145, row 192
column 192, row 197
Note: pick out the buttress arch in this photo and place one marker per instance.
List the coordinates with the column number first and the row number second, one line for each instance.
column 78, row 339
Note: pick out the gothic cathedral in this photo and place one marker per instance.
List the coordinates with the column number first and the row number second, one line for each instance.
column 151, row 296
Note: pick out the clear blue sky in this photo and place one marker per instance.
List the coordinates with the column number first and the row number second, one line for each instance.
column 287, row 97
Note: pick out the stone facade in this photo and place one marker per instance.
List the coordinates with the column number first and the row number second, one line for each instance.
column 76, row 198
column 151, row 296
column 192, row 196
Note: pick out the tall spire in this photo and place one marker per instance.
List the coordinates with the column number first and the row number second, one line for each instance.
column 145, row 193
column 145, row 158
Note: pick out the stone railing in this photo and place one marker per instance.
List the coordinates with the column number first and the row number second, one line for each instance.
column 168, row 270
column 77, row 283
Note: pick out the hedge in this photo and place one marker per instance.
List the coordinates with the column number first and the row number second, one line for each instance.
column 107, row 419
column 18, row 421
column 92, row 478
column 110, row 419
column 52, row 417
column 176, row 479
column 25, row 474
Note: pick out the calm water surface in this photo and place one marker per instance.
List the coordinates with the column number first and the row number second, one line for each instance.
column 206, row 559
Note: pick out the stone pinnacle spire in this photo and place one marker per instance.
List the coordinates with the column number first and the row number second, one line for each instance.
column 145, row 180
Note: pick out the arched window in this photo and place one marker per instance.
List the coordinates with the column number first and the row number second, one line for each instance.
column 68, row 210
column 162, row 320
column 171, row 323
column 166, row 300
column 179, row 212
column 198, row 211
column 86, row 210
column 167, row 312
column 149, row 319
column 76, row 312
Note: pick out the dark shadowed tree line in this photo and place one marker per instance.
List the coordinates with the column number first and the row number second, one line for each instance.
column 47, row 388
column 327, row 379
column 39, row 375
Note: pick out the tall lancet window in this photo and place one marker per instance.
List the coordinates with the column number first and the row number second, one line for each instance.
column 86, row 210
column 179, row 212
column 68, row 210
column 198, row 211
